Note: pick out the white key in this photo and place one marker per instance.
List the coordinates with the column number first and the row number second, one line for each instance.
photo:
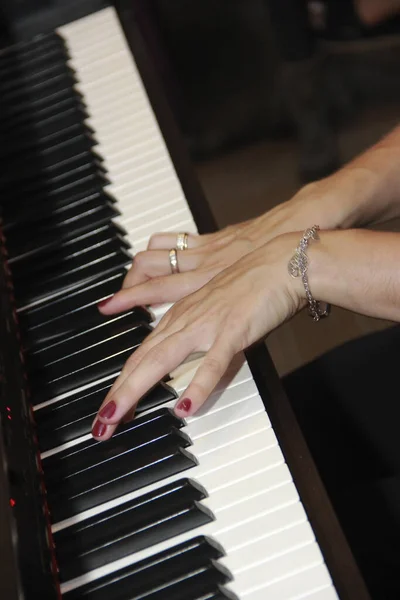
column 297, row 587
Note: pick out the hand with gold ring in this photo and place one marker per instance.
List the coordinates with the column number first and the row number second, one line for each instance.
column 151, row 279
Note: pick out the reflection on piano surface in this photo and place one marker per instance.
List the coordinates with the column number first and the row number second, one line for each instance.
column 199, row 510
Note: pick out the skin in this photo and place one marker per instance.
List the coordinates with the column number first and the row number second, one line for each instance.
column 234, row 287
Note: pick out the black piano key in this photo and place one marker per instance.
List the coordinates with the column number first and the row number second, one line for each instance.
column 46, row 214
column 75, row 278
column 33, row 60
column 60, row 258
column 62, row 349
column 67, row 420
column 207, row 579
column 42, row 90
column 39, row 44
column 130, row 527
column 48, row 183
column 57, row 235
column 156, row 571
column 21, row 120
column 73, row 269
column 75, row 301
column 38, row 73
column 31, row 104
column 48, row 174
column 130, row 470
column 49, row 123
column 89, row 452
column 86, row 367
column 51, row 150
column 70, row 324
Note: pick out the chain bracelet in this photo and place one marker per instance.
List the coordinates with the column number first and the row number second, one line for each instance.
column 298, row 266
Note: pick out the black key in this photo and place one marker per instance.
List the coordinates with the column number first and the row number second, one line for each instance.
column 69, row 419
column 48, row 123
column 33, row 61
column 140, row 523
column 41, row 184
column 31, row 104
column 34, row 115
column 207, row 579
column 50, row 150
column 152, row 572
column 90, row 222
column 39, row 44
column 45, row 214
column 97, row 266
column 42, row 90
column 68, row 346
column 89, row 452
column 39, row 73
column 70, row 325
column 87, row 366
column 71, row 251
column 49, row 174
column 48, row 317
column 121, row 471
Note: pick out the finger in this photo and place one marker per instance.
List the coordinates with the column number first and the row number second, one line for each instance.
column 211, row 370
column 160, row 360
column 167, row 240
column 155, row 263
column 155, row 291
column 156, row 337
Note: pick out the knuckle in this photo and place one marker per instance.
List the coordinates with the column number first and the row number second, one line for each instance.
column 212, row 364
column 157, row 356
column 153, row 240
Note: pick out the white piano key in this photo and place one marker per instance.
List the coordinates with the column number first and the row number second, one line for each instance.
column 298, row 587
column 256, row 550
column 276, row 569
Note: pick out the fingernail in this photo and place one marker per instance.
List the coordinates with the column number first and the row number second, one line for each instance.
column 99, row 429
column 184, row 405
column 108, row 410
column 104, row 303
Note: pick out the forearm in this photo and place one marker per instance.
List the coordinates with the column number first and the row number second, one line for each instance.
column 357, row 270
column 364, row 192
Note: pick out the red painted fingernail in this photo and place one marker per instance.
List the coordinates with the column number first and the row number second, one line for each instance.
column 108, row 410
column 184, row 405
column 104, row 303
column 99, row 429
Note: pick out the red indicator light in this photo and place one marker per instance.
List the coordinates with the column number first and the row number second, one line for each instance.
column 12, row 502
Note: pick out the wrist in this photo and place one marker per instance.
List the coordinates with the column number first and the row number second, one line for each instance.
column 336, row 202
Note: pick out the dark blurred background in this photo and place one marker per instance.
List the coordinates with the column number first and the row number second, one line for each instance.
column 268, row 94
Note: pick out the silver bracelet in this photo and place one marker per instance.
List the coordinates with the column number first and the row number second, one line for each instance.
column 298, row 265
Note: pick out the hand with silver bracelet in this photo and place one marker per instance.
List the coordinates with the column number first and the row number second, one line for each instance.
column 355, row 269
column 363, row 192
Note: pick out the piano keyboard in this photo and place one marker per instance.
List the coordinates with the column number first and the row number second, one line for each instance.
column 202, row 509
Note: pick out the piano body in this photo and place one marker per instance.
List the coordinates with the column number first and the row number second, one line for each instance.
column 226, row 505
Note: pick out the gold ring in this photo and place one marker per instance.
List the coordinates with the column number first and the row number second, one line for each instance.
column 182, row 241
column 173, row 261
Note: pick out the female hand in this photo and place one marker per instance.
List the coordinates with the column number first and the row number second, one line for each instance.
column 149, row 280
column 238, row 307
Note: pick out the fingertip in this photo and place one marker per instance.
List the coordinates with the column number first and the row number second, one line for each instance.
column 104, row 305
column 184, row 408
column 101, row 431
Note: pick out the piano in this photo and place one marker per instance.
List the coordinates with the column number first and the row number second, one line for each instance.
column 225, row 505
